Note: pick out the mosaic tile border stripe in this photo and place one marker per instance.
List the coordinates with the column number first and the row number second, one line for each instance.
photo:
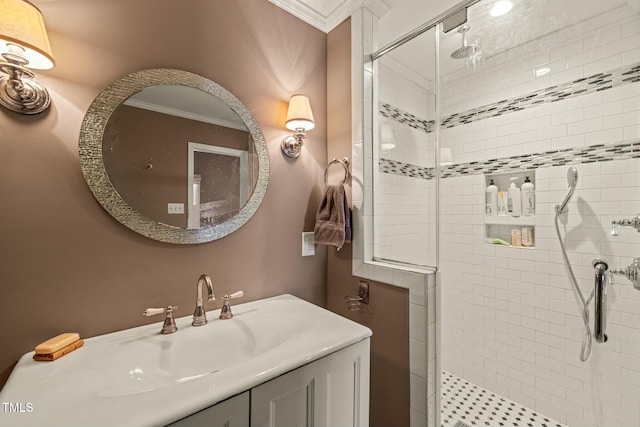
column 595, row 83
column 405, row 169
column 400, row 116
column 583, row 86
column 591, row 154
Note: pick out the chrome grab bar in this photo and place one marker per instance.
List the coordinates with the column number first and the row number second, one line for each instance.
column 600, row 300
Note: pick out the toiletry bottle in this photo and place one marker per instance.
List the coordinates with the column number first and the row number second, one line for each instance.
column 528, row 198
column 502, row 203
column 516, row 237
column 514, row 206
column 491, row 199
column 527, row 237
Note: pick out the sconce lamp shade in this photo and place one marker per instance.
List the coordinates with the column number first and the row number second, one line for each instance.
column 299, row 115
column 299, row 120
column 21, row 23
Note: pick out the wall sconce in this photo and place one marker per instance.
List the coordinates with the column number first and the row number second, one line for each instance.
column 299, row 119
column 23, row 44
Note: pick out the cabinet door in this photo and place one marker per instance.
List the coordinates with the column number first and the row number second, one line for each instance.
column 332, row 391
column 233, row 412
column 288, row 400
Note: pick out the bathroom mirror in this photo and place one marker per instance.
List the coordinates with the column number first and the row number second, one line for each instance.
column 174, row 156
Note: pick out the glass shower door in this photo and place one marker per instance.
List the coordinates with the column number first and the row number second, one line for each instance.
column 404, row 202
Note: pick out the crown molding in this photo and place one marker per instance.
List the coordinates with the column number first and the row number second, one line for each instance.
column 325, row 15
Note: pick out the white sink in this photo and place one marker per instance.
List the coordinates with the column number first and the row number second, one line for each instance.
column 140, row 377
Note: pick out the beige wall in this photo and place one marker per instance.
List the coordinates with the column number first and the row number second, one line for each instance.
column 387, row 314
column 65, row 264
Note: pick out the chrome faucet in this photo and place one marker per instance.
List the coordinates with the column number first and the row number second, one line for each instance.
column 200, row 315
column 632, row 272
column 633, row 222
column 600, row 300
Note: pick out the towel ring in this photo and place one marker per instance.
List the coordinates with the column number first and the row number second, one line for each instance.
column 345, row 164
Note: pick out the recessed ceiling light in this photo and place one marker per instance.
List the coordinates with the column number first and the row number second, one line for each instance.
column 386, row 146
column 501, row 7
column 542, row 71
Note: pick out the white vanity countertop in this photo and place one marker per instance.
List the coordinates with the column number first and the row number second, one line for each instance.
column 139, row 377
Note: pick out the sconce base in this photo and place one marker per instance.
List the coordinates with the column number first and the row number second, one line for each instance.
column 25, row 96
column 292, row 145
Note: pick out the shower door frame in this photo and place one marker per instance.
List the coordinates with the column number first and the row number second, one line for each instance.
column 422, row 283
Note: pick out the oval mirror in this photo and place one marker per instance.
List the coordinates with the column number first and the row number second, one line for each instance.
column 174, row 156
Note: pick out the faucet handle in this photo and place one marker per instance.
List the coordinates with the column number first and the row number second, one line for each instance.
column 169, row 325
column 225, row 312
column 615, row 228
column 632, row 272
column 154, row 311
column 633, row 222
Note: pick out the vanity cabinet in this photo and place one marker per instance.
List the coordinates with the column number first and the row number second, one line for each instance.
column 233, row 412
column 331, row 391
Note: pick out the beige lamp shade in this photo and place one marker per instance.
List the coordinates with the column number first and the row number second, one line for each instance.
column 299, row 115
column 22, row 23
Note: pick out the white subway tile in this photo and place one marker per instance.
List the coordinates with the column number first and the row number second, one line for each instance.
column 621, row 120
column 568, row 141
column 608, row 109
column 605, row 64
column 593, row 124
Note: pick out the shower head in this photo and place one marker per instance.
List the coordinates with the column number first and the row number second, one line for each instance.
column 572, row 180
column 572, row 177
column 465, row 51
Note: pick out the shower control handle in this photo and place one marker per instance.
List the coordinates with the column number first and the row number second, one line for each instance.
column 633, row 222
column 632, row 272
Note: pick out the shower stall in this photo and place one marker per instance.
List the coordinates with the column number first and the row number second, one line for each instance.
column 515, row 92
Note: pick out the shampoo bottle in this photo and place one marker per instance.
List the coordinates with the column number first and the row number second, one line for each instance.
column 491, row 200
column 528, row 198
column 514, row 205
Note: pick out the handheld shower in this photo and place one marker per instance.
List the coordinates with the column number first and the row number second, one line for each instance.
column 572, row 180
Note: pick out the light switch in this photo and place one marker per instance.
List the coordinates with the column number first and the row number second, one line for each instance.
column 175, row 208
column 308, row 244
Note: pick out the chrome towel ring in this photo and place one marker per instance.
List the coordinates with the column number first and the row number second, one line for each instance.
column 345, row 164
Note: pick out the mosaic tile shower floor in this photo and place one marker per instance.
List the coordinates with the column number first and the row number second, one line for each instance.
column 467, row 405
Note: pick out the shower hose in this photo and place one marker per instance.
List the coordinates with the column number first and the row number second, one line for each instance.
column 586, row 339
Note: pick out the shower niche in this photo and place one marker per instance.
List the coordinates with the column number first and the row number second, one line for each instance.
column 509, row 218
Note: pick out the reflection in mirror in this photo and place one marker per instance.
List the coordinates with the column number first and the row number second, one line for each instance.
column 170, row 128
column 182, row 157
column 218, row 178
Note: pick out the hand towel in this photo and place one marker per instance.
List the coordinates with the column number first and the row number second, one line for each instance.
column 330, row 217
column 347, row 221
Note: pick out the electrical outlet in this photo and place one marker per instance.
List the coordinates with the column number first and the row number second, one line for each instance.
column 308, row 244
column 175, row 208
